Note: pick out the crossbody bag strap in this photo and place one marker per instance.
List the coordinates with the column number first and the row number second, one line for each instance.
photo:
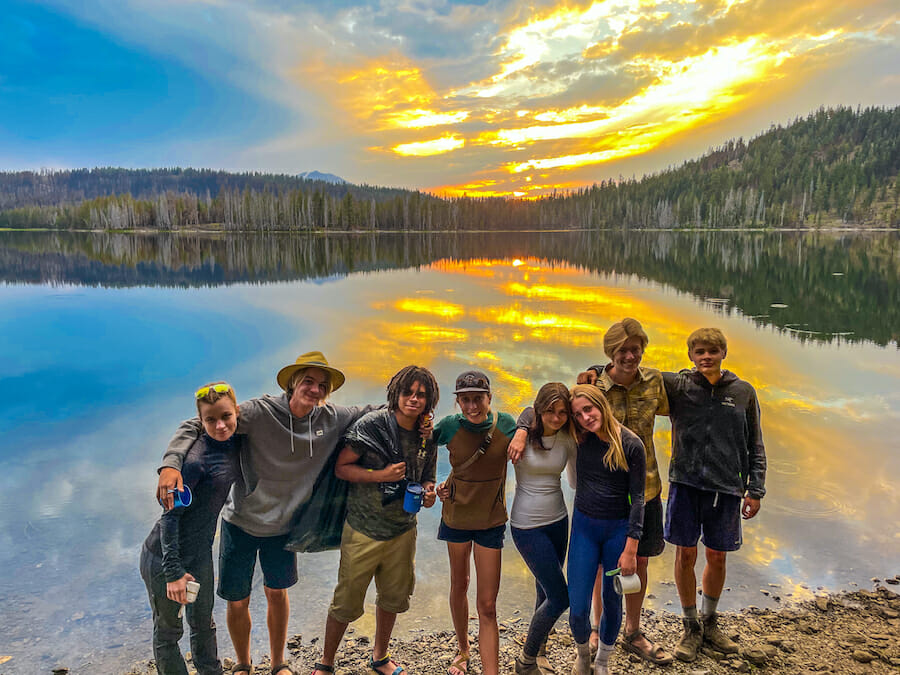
column 479, row 453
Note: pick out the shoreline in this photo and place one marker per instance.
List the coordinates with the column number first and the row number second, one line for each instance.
column 845, row 632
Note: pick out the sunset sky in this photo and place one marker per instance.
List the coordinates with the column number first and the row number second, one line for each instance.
column 491, row 97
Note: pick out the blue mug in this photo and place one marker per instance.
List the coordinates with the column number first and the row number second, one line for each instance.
column 182, row 498
column 412, row 500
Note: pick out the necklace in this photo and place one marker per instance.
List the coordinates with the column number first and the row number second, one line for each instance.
column 552, row 445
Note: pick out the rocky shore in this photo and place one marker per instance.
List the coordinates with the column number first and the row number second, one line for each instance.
column 856, row 632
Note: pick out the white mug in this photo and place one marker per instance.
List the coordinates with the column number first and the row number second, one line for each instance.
column 626, row 585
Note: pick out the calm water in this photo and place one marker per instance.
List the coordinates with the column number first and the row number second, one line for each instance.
column 105, row 337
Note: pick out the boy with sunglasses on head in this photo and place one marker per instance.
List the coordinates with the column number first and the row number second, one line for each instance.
column 179, row 548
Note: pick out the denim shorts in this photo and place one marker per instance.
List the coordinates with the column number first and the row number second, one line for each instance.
column 690, row 511
column 489, row 538
column 237, row 560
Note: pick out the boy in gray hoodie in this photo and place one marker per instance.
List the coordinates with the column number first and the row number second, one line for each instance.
column 289, row 439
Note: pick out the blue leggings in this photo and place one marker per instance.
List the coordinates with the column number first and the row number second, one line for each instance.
column 594, row 543
column 544, row 549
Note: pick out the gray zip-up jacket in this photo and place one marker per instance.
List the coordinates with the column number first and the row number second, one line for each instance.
column 283, row 456
column 716, row 437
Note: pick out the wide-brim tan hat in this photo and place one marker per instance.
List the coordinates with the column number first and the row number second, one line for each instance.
column 310, row 360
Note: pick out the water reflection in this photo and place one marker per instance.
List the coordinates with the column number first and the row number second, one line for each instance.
column 819, row 286
column 98, row 378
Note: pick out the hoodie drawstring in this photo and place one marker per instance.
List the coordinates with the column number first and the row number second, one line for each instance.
column 291, row 418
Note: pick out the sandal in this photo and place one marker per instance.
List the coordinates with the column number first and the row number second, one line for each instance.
column 654, row 654
column 461, row 663
column 324, row 667
column 242, row 668
column 595, row 630
column 281, row 666
column 375, row 665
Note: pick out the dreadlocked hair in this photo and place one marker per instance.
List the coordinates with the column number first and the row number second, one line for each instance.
column 402, row 383
column 615, row 456
column 546, row 397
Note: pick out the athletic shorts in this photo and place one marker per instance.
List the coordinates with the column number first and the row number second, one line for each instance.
column 690, row 512
column 391, row 563
column 652, row 543
column 237, row 560
column 489, row 538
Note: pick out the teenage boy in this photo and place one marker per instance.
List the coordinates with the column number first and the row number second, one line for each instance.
column 636, row 395
column 716, row 476
column 289, row 440
column 385, row 452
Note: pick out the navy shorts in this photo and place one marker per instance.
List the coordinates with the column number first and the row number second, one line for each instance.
column 237, row 560
column 690, row 511
column 489, row 538
column 652, row 543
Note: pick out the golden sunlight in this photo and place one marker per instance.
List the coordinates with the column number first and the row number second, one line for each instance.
column 436, row 146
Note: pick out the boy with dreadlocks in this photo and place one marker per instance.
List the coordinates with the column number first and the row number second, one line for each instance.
column 385, row 452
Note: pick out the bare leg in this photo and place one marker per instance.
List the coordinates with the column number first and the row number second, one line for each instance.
column 278, row 611
column 685, row 579
column 633, row 604
column 334, row 631
column 237, row 616
column 596, row 608
column 384, row 626
column 487, row 581
column 714, row 573
column 459, row 601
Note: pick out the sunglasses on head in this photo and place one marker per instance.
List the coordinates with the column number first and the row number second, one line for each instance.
column 218, row 388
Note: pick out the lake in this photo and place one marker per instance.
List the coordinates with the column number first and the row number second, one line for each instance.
column 106, row 336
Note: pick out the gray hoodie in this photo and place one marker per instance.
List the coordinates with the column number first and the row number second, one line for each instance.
column 283, row 457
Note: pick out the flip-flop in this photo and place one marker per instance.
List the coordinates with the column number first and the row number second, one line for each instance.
column 324, row 667
column 242, row 668
column 375, row 665
column 654, row 654
column 281, row 666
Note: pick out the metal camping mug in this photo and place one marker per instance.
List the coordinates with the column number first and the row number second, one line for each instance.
column 624, row 585
column 412, row 500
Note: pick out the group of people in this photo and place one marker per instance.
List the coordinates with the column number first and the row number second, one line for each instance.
column 260, row 462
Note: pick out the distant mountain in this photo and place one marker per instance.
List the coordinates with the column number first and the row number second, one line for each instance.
column 318, row 175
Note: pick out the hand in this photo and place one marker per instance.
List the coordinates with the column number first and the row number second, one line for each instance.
column 517, row 446
column 429, row 497
column 177, row 590
column 169, row 479
column 393, row 472
column 443, row 491
column 749, row 508
column 627, row 563
column 587, row 377
column 426, row 424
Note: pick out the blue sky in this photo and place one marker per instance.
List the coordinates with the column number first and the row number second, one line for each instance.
column 487, row 97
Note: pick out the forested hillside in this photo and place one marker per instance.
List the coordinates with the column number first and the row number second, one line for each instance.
column 836, row 166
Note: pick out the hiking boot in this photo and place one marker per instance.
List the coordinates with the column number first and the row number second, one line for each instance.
column 690, row 642
column 715, row 638
column 523, row 668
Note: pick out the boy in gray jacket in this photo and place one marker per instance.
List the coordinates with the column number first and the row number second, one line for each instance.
column 716, row 476
column 289, row 438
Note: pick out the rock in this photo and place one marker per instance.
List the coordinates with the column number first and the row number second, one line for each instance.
column 295, row 642
column 775, row 640
column 822, row 602
column 60, row 670
column 889, row 613
column 755, row 655
column 863, row 656
column 228, row 663
column 893, row 581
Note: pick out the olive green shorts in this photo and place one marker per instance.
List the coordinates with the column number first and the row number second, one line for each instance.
column 391, row 563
